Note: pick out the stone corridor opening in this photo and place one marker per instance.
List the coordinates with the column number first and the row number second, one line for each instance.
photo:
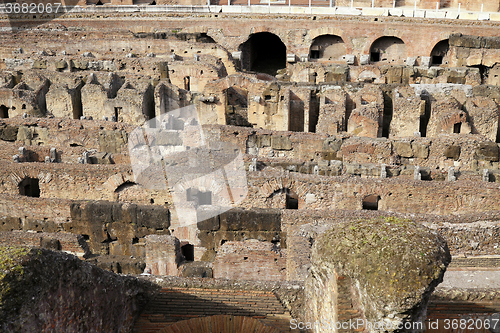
column 29, row 187
column 327, row 47
column 388, row 50
column 263, row 52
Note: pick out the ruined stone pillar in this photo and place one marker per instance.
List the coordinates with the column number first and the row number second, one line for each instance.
column 451, row 174
column 163, row 255
column 486, row 175
column 383, row 171
column 416, row 173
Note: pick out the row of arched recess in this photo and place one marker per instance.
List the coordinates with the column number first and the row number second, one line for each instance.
column 265, row 52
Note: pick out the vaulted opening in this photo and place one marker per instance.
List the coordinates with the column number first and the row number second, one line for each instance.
column 29, row 187
column 4, row 111
column 457, row 127
column 263, row 52
column 292, row 201
column 119, row 113
column 188, row 252
column 283, row 197
column 388, row 50
column 439, row 54
column 327, row 47
column 371, row 202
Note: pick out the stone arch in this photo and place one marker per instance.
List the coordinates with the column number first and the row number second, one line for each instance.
column 283, row 198
column 371, row 202
column 118, row 181
column 439, row 54
column 17, row 177
column 327, row 47
column 314, row 33
column 29, row 187
column 263, row 52
column 220, row 323
column 280, row 185
column 388, row 49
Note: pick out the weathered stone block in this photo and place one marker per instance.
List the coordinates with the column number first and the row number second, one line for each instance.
column 163, row 255
column 112, row 141
column 264, row 141
column 61, row 64
column 487, row 151
column 9, row 132
column 403, row 148
column 251, row 220
column 332, row 144
column 167, row 138
column 420, row 150
column 101, row 158
column 8, row 223
column 196, row 269
column 211, row 224
column 39, row 64
column 280, row 142
column 348, row 250
column 452, row 152
column 80, row 64
column 50, row 243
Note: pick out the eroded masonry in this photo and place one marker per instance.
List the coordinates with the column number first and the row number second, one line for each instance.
column 371, row 155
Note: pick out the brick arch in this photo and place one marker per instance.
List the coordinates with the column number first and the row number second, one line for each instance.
column 117, row 180
column 255, row 30
column 272, row 45
column 314, row 33
column 220, row 323
column 280, row 183
column 17, row 177
column 433, row 45
column 372, row 39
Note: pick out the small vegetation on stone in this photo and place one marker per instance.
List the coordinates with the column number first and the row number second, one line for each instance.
column 395, row 261
column 10, row 262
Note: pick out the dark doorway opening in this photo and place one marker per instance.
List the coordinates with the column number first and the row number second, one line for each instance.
column 437, row 60
column 119, row 114
column 388, row 113
column 29, row 187
column 292, row 201
column 374, row 56
column 439, row 54
column 4, row 111
column 371, row 202
column 188, row 252
column 457, row 127
column 424, row 119
column 315, row 54
column 264, row 52
column 187, row 83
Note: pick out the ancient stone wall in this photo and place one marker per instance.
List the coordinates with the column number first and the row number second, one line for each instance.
column 56, row 286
